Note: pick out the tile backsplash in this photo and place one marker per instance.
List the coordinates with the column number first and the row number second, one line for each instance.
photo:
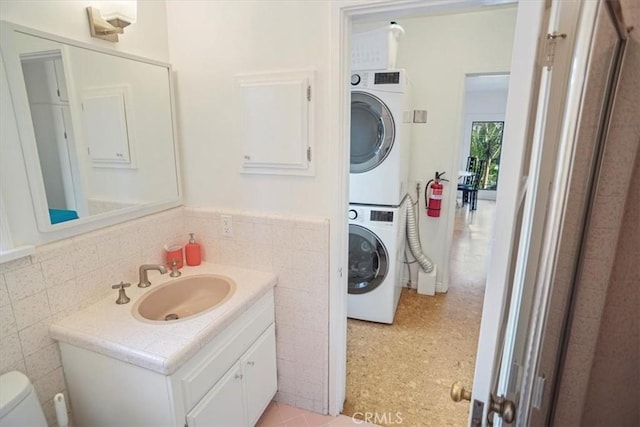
column 66, row 276
column 296, row 249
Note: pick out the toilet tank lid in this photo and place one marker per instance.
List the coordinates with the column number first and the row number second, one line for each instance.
column 14, row 387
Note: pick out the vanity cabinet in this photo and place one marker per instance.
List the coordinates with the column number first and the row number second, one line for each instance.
column 238, row 398
column 229, row 382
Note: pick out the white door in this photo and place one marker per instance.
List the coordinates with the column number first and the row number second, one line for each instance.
column 260, row 379
column 525, row 209
column 223, row 405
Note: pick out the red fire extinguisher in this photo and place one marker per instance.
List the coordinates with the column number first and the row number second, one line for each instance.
column 433, row 195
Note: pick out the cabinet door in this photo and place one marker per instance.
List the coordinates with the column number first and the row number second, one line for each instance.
column 223, row 405
column 261, row 381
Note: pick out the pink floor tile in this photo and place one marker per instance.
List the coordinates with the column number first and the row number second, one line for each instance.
column 270, row 417
column 288, row 412
column 317, row 420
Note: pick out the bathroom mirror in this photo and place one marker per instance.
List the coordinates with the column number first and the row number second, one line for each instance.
column 96, row 129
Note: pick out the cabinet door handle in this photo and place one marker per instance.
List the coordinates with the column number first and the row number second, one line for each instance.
column 251, row 363
column 238, row 376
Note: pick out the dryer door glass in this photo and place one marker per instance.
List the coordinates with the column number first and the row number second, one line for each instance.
column 368, row 260
column 372, row 132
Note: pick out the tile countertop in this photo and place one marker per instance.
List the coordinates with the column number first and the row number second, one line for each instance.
column 110, row 329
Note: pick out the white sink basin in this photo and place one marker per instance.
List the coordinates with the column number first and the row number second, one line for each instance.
column 183, row 298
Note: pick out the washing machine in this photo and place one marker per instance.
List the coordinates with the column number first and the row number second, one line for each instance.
column 380, row 137
column 376, row 255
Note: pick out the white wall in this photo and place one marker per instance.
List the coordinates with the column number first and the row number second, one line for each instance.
column 480, row 105
column 147, row 37
column 210, row 42
column 438, row 52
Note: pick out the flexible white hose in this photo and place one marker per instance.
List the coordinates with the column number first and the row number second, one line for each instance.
column 413, row 236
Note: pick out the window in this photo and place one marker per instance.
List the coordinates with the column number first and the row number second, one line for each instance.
column 486, row 144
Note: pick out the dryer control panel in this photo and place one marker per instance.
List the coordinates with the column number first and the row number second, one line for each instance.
column 385, row 81
column 381, row 216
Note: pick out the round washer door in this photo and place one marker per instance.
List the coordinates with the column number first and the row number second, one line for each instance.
column 368, row 260
column 372, row 132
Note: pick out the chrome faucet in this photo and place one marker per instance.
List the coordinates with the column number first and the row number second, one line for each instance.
column 144, row 268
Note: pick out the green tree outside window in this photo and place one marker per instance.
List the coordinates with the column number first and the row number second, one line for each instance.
column 486, row 144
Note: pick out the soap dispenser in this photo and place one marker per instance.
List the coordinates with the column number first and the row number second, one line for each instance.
column 193, row 253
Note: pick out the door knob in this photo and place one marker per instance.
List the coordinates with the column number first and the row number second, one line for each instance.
column 504, row 408
column 459, row 393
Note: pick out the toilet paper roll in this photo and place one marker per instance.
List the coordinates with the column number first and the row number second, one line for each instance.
column 61, row 410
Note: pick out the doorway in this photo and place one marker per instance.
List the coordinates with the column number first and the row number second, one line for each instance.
column 391, row 375
column 485, row 104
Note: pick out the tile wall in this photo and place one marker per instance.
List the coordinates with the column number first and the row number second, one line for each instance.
column 66, row 276
column 296, row 250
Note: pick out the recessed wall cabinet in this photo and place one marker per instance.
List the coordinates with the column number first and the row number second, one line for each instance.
column 229, row 382
column 275, row 113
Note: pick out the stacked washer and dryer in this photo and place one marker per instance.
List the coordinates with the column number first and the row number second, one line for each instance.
column 379, row 165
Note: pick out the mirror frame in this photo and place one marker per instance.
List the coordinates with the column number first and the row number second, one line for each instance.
column 22, row 112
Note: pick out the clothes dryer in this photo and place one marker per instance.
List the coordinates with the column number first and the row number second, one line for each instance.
column 380, row 137
column 376, row 253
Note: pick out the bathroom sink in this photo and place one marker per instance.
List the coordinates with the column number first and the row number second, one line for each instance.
column 184, row 297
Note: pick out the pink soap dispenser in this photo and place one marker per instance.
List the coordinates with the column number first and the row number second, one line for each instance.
column 193, row 253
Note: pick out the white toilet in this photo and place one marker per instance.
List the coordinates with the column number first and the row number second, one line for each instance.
column 19, row 405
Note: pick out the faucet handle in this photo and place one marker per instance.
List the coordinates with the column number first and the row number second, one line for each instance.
column 174, row 269
column 121, row 285
column 122, row 296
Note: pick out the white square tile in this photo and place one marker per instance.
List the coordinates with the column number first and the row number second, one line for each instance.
column 261, row 256
column 52, row 250
column 7, row 322
column 303, row 403
column 4, row 293
column 285, row 334
column 282, row 259
column 16, row 264
column 285, row 316
column 49, row 385
column 85, row 259
column 282, row 236
column 57, row 270
column 286, row 351
column 43, row 361
column 263, row 234
column 286, row 398
column 10, row 352
column 36, row 336
column 286, row 279
column 289, row 298
column 243, row 231
column 109, row 250
column 286, row 384
column 307, row 390
column 31, row 310
column 24, row 282
column 211, row 251
column 64, row 297
column 228, row 251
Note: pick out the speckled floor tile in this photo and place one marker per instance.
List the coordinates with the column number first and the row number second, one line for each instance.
column 403, row 372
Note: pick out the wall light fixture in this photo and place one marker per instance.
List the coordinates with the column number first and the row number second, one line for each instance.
column 111, row 19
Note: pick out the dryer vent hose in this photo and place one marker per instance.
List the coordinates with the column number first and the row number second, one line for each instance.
column 413, row 236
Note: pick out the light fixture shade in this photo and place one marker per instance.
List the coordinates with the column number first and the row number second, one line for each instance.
column 126, row 10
